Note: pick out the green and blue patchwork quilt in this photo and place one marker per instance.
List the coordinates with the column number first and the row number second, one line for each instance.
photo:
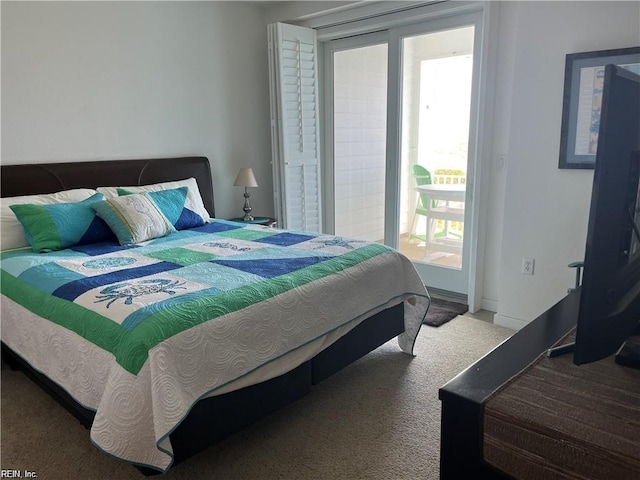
column 199, row 312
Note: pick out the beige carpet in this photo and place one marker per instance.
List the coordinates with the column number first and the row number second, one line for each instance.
column 377, row 419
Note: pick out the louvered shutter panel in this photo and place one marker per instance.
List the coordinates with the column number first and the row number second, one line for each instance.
column 295, row 126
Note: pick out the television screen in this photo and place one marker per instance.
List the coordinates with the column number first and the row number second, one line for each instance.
column 610, row 293
column 634, row 235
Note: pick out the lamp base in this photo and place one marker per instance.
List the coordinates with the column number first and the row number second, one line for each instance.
column 247, row 208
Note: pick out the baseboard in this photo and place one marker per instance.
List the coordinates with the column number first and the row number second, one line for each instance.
column 509, row 322
column 491, row 305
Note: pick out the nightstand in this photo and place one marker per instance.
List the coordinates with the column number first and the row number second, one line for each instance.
column 267, row 221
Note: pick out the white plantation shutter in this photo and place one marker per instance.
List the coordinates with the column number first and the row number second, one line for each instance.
column 295, row 126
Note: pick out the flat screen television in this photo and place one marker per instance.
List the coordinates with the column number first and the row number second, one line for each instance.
column 610, row 293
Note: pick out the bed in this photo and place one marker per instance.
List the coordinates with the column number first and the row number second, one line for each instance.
column 163, row 345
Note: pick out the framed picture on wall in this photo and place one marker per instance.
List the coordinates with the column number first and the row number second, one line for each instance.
column 582, row 101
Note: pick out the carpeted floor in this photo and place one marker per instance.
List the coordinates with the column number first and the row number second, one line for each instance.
column 377, row 419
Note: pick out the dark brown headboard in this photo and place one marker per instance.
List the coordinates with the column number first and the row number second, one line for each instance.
column 32, row 179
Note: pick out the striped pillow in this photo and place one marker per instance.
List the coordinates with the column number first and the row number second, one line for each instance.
column 62, row 225
column 193, row 202
column 134, row 218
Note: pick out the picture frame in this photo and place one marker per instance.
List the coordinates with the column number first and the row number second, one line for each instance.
column 582, row 100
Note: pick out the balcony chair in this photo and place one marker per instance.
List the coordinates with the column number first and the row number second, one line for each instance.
column 422, row 177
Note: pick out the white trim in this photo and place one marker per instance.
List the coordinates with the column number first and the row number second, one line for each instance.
column 327, row 194
column 357, row 11
column 394, row 136
column 486, row 304
column 484, row 134
column 509, row 322
column 275, row 119
column 367, row 18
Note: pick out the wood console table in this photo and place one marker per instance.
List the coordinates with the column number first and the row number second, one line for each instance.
column 463, row 398
column 558, row 419
column 546, row 419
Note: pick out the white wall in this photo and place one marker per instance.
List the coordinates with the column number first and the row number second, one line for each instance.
column 546, row 209
column 106, row 80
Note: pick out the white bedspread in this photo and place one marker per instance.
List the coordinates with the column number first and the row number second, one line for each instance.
column 137, row 411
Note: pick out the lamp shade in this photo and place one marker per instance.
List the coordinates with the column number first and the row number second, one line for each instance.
column 245, row 178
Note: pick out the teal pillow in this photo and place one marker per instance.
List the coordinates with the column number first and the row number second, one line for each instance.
column 172, row 204
column 134, row 218
column 62, row 225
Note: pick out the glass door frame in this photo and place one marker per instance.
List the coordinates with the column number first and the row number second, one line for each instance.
column 455, row 280
column 329, row 48
column 479, row 14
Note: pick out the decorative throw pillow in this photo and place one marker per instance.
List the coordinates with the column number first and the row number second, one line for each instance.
column 193, row 202
column 62, row 225
column 172, row 204
column 134, row 218
column 11, row 232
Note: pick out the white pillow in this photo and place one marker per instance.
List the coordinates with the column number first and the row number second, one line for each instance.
column 193, row 202
column 11, row 231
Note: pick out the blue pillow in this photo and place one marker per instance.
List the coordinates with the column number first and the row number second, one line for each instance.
column 62, row 225
column 134, row 218
column 172, row 204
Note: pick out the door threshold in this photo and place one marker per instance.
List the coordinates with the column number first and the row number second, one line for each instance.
column 447, row 295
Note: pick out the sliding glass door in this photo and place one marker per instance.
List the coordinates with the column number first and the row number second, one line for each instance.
column 359, row 141
column 436, row 77
column 356, row 92
column 401, row 142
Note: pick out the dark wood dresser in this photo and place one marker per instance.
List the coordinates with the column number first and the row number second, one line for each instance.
column 518, row 414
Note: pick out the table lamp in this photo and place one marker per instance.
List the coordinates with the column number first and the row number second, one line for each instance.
column 246, row 179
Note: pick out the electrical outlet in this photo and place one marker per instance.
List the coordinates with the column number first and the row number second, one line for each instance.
column 527, row 265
